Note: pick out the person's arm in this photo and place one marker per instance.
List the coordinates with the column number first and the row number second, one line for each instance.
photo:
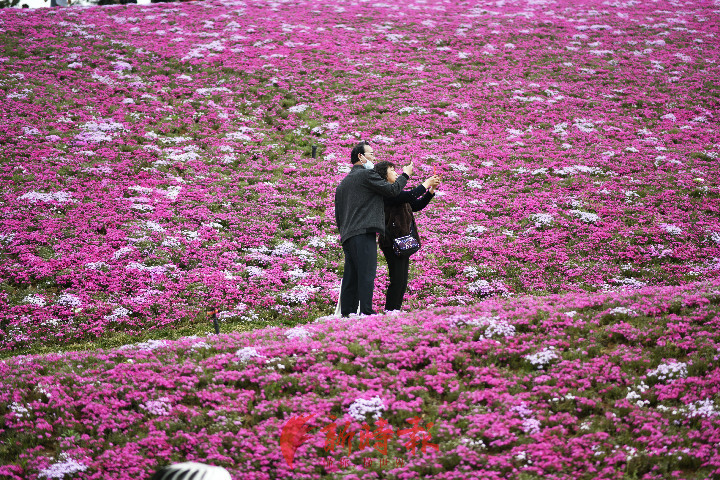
column 378, row 184
column 406, row 196
column 418, row 204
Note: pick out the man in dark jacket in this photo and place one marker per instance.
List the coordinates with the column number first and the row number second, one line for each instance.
column 360, row 215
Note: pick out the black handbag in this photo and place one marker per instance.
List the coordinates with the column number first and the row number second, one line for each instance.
column 401, row 235
column 406, row 245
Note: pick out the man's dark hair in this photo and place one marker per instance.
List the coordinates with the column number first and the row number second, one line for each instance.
column 358, row 150
column 382, row 168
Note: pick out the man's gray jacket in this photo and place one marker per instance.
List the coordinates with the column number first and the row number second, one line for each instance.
column 359, row 206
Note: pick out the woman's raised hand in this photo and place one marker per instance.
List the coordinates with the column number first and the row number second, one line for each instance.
column 432, row 182
column 408, row 169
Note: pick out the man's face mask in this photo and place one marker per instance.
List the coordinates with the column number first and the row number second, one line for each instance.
column 368, row 164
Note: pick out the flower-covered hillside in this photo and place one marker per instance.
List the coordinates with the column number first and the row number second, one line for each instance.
column 576, row 386
column 156, row 159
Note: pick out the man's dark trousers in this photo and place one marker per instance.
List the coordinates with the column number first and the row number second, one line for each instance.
column 359, row 275
column 398, row 269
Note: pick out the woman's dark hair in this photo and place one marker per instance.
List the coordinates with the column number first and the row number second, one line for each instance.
column 382, row 168
column 358, row 150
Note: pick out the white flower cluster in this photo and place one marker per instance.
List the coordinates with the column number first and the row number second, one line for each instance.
column 499, row 328
column 68, row 300
column 43, row 389
column 297, row 332
column 299, row 108
column 495, row 327
column 471, row 272
column 361, row 407
column 19, row 410
column 158, row 407
column 634, row 396
column 419, row 110
column 254, row 271
column 630, row 196
column 154, row 226
column 155, row 269
column 702, row 408
column 623, row 311
column 629, row 282
column 327, row 318
column 7, row 238
column 542, row 219
column 473, row 443
column 586, row 217
column 59, row 197
column 200, row 345
column 322, row 241
column 97, row 132
column 299, row 294
column 285, row 248
column 383, row 139
column 246, row 353
column 297, row 273
column 475, row 229
column 122, row 252
column 119, row 65
column 250, row 316
column 567, row 396
column 181, row 157
column 571, row 170
column 60, row 469
column 212, row 91
column 53, row 322
column 117, row 313
column 149, row 345
column 480, row 286
column 671, row 229
column 669, row 371
column 22, row 94
column 103, row 126
column 171, row 242
column 34, row 299
column 543, row 357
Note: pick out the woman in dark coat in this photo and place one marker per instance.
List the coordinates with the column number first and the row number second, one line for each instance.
column 400, row 221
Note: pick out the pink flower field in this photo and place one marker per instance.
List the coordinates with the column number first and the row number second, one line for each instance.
column 608, row 385
column 561, row 319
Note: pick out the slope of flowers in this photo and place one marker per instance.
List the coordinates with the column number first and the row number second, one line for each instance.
column 156, row 159
column 588, row 385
